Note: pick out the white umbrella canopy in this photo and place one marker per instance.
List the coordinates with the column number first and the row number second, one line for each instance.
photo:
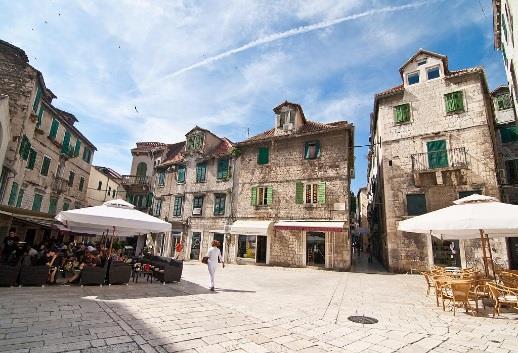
column 116, row 216
column 466, row 219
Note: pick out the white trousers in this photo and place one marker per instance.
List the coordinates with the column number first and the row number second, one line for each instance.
column 212, row 272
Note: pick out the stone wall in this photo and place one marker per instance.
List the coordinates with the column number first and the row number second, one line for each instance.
column 287, row 248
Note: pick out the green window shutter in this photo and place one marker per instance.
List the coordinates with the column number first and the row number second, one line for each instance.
column 509, row 134
column 12, row 195
column 25, row 148
column 322, row 192
column 81, row 183
column 149, row 199
column 66, row 206
column 201, row 172
column 454, row 102
column 312, row 150
column 253, row 196
column 77, row 148
column 54, row 129
column 180, row 177
column 71, row 179
column 269, row 195
column 222, row 168
column 299, row 193
column 66, row 142
column 263, row 155
column 36, row 204
column 437, row 154
column 20, row 198
column 32, row 159
column 53, row 205
column 45, row 166
column 37, row 99
column 40, row 116
column 402, row 113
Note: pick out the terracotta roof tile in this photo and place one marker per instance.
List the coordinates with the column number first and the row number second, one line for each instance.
column 223, row 148
column 174, row 153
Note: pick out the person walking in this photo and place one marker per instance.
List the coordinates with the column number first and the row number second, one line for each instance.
column 213, row 258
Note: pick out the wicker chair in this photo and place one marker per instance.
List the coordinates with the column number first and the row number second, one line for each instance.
column 429, row 282
column 460, row 294
column 502, row 295
column 439, row 282
column 9, row 275
column 119, row 273
column 34, row 275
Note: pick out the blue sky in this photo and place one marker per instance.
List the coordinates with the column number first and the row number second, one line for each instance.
column 223, row 65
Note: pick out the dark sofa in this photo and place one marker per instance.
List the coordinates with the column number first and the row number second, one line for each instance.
column 8, row 275
column 170, row 270
column 93, row 275
column 119, row 273
column 33, row 275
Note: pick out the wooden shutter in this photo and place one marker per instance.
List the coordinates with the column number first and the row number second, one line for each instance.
column 25, row 148
column 402, row 113
column 20, row 198
column 37, row 99
column 81, row 183
column 66, row 142
column 299, row 193
column 269, row 195
column 437, row 154
column 181, row 174
column 36, row 204
column 222, row 168
column 149, row 199
column 263, row 155
column 32, row 159
column 54, row 129
column 45, row 166
column 53, row 205
column 12, row 195
column 322, row 192
column 77, row 148
column 40, row 115
column 253, row 196
column 454, row 102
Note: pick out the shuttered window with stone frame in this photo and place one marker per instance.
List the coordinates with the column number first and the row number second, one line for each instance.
column 415, row 204
column 180, row 174
column 310, row 193
column 13, row 194
column 263, row 155
column 25, row 147
column 45, row 165
column 219, row 204
column 261, row 196
column 201, row 172
column 36, row 204
column 177, row 209
column 402, row 113
column 454, row 102
column 32, row 159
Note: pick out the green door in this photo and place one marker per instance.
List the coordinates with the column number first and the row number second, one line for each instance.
column 437, row 154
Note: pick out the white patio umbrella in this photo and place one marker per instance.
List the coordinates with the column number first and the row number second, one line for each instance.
column 469, row 218
column 117, row 217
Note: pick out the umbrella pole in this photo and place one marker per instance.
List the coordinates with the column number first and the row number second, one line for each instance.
column 490, row 255
column 484, row 254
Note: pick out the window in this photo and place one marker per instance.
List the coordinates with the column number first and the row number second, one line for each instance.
column 197, row 205
column 32, row 159
column 415, row 204
column 71, row 178
column 45, row 165
column 261, row 196
column 65, row 146
column 37, row 99
column 287, row 117
column 81, row 183
column 310, row 193
column 312, row 150
column 100, row 185
column 109, row 190
column 53, row 205
column 402, row 113
column 437, row 154
column 25, row 148
column 454, row 102
column 201, row 172
column 36, row 204
column 20, row 198
column 219, row 204
column 40, row 116
column 54, row 129
column 509, row 134
column 263, row 155
column 422, row 62
column 142, row 169
column 413, row 78
column 194, row 142
column 511, row 168
column 433, row 72
column 157, row 207
column 504, row 102
column 87, row 155
column 223, row 169
column 161, row 178
column 66, row 205
column 246, row 246
column 113, row 193
column 469, row 193
column 13, row 194
column 77, row 148
column 177, row 209
column 180, row 175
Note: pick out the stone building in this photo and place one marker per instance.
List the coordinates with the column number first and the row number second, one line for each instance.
column 362, row 220
column 104, row 184
column 291, row 195
column 507, row 149
column 503, row 27
column 433, row 141
column 47, row 160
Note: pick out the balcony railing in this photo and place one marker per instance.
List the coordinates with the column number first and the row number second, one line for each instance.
column 59, row 185
column 135, row 180
column 455, row 158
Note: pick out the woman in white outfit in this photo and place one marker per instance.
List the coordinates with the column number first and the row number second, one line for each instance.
column 214, row 257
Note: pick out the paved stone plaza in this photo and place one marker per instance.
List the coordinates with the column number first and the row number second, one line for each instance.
column 254, row 309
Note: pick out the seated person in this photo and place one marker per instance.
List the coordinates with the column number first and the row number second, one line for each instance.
column 90, row 260
column 54, row 261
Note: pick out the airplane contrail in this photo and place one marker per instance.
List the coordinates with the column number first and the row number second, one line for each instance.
column 293, row 32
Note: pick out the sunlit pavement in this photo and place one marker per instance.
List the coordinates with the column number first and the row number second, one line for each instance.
column 254, row 309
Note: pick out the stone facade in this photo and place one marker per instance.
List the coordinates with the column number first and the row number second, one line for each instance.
column 47, row 162
column 104, row 185
column 433, row 141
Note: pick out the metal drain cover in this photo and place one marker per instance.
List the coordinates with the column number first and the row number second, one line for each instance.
column 363, row 320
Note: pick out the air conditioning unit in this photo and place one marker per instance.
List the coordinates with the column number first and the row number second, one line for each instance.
column 196, row 211
column 287, row 127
